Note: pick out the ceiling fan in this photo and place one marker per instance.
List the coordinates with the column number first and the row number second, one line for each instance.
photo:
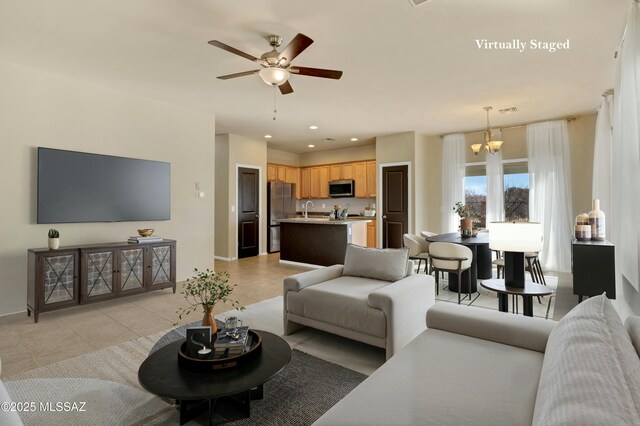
column 276, row 66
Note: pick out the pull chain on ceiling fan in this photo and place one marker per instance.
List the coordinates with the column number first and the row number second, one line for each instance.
column 276, row 66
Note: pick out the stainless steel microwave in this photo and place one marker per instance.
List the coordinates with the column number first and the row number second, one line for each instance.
column 341, row 188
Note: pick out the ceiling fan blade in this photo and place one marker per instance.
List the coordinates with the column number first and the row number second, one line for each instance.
column 316, row 72
column 285, row 88
column 299, row 43
column 233, row 50
column 238, row 74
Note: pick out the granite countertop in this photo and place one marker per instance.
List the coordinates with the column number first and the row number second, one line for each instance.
column 323, row 221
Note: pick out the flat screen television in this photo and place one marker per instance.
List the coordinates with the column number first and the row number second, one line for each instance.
column 81, row 187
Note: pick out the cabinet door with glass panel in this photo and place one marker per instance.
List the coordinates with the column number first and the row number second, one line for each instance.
column 131, row 269
column 160, row 265
column 99, row 272
column 59, row 279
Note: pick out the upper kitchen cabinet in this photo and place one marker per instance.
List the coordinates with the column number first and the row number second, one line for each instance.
column 324, row 182
column 272, row 173
column 335, row 172
column 282, row 173
column 371, row 179
column 320, row 182
column 348, row 171
column 361, row 180
column 305, row 183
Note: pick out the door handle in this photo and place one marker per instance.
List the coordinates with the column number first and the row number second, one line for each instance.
column 384, row 216
column 257, row 215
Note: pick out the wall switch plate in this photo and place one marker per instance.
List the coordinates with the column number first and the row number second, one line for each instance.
column 233, row 209
column 324, row 205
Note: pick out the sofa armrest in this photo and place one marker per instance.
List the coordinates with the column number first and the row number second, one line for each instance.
column 500, row 327
column 404, row 303
column 305, row 279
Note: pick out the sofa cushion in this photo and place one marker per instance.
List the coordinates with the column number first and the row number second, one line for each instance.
column 379, row 264
column 633, row 327
column 591, row 372
column 342, row 302
column 443, row 378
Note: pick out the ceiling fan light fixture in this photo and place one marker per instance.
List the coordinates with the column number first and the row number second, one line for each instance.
column 274, row 76
column 476, row 147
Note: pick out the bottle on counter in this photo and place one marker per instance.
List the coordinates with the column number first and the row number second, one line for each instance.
column 596, row 220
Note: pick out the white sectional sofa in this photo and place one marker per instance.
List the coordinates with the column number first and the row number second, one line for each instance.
column 473, row 366
column 371, row 299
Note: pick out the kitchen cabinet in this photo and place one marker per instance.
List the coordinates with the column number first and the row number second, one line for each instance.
column 361, row 180
column 335, row 172
column 371, row 234
column 282, row 173
column 272, row 172
column 324, row 182
column 371, row 179
column 315, row 183
column 348, row 171
column 305, row 183
column 291, row 175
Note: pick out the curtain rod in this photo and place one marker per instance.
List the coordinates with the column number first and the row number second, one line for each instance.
column 569, row 120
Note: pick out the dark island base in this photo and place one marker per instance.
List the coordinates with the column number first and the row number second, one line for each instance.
column 315, row 244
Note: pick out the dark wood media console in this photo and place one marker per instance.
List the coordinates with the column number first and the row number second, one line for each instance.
column 77, row 275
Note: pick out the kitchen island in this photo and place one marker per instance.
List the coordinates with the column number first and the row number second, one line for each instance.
column 319, row 241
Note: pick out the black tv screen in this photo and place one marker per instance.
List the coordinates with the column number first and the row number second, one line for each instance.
column 83, row 187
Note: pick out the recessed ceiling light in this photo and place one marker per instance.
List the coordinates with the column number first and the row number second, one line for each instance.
column 354, row 139
column 311, row 146
column 313, row 127
column 268, row 136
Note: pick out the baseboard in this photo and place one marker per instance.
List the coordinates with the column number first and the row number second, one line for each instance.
column 226, row 259
column 305, row 265
column 264, row 253
column 14, row 313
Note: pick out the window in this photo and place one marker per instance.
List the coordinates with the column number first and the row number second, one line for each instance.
column 475, row 192
column 516, row 191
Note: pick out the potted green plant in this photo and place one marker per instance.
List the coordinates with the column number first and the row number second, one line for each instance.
column 205, row 289
column 54, row 239
column 466, row 218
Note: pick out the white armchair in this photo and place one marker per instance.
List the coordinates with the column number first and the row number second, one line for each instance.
column 372, row 299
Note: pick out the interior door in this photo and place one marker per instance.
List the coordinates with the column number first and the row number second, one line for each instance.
column 248, row 212
column 395, row 205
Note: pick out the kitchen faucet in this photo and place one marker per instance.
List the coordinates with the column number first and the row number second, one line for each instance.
column 306, row 207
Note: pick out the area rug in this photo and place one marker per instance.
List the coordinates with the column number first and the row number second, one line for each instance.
column 106, row 380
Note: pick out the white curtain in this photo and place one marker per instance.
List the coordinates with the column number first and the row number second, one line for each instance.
column 601, row 188
column 625, row 197
column 495, row 188
column 550, row 191
column 453, row 172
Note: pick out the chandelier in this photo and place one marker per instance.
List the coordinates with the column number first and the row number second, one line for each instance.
column 492, row 138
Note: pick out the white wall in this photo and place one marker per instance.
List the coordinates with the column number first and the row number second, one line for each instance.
column 42, row 109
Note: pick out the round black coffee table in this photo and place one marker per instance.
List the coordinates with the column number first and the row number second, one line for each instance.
column 196, row 392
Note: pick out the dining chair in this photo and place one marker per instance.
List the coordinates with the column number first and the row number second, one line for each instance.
column 452, row 258
column 418, row 250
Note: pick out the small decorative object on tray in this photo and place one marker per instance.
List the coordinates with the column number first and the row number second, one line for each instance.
column 223, row 357
column 232, row 341
column 198, row 341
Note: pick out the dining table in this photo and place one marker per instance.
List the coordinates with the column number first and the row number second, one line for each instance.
column 480, row 264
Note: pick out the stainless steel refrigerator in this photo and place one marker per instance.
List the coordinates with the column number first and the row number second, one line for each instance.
column 281, row 204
